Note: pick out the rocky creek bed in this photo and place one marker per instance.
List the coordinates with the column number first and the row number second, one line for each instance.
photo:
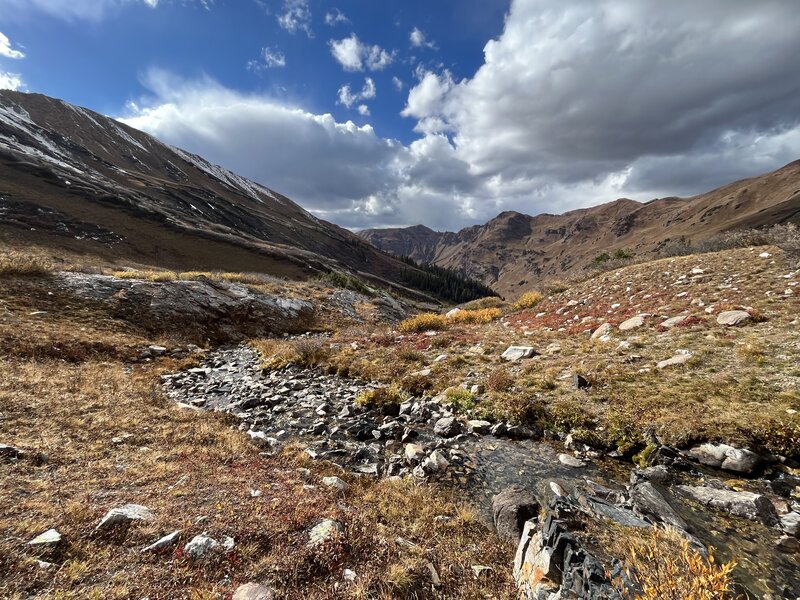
column 755, row 520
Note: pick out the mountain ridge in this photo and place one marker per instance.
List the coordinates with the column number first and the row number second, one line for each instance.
column 514, row 252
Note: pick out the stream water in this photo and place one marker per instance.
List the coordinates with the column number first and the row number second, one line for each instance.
column 319, row 410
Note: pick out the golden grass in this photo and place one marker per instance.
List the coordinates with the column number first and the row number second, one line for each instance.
column 528, row 300
column 479, row 316
column 423, row 322
column 664, row 567
column 13, row 263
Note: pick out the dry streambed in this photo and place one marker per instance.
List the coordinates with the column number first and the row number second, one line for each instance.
column 754, row 520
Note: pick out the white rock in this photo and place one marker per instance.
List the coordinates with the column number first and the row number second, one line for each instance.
column 733, row 317
column 165, row 542
column 199, row 546
column 440, row 358
column 51, row 537
column 678, row 359
column 253, row 591
column 435, row 463
column 765, row 255
column 602, row 331
column 124, row 516
column 570, row 461
column 323, row 531
column 673, row 322
column 514, row 353
column 157, row 350
column 632, row 323
column 453, row 312
column 335, row 482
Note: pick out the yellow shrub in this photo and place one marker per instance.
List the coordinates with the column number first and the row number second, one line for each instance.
column 664, row 567
column 528, row 300
column 424, row 322
column 17, row 263
column 484, row 315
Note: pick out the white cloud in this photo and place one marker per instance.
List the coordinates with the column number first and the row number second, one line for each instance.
column 347, row 98
column 270, row 58
column 418, row 39
column 6, row 49
column 92, row 10
column 354, row 55
column 397, row 83
column 334, row 17
column 11, row 81
column 576, row 103
column 296, row 16
column 363, row 110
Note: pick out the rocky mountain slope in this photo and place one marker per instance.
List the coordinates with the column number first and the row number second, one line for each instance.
column 514, row 252
column 73, row 179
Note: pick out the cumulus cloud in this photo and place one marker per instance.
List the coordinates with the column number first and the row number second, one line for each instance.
column 354, row 55
column 575, row 104
column 348, row 98
column 398, row 83
column 6, row 49
column 295, row 16
column 363, row 110
column 418, row 39
column 270, row 58
column 11, row 81
column 334, row 17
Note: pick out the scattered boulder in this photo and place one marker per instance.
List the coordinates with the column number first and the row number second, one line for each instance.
column 435, row 463
column 748, row 505
column 790, row 523
column 447, row 427
column 515, row 353
column 334, row 482
column 632, row 323
column 570, row 461
column 728, row 458
column 603, row 331
column 253, row 591
column 156, row 350
column 413, row 452
column 511, row 508
column 164, row 543
column 452, row 312
column 733, row 317
column 123, row 517
column 50, row 538
column 650, row 502
column 200, row 546
column 673, row 322
column 324, row 531
column 479, row 427
column 678, row 359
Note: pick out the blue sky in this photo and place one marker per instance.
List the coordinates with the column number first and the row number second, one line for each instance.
column 445, row 112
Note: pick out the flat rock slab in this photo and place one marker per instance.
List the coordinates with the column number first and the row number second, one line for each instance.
column 123, row 516
column 632, row 323
column 164, row 543
column 733, row 317
column 511, row 508
column 253, row 591
column 678, row 359
column 673, row 322
column 723, row 456
column 570, row 461
column 515, row 353
column 602, row 331
column 741, row 504
column 51, row 537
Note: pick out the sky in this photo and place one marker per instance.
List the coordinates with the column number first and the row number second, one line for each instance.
column 372, row 113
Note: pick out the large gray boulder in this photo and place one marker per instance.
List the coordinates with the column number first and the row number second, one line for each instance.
column 223, row 311
column 123, row 516
column 447, row 427
column 515, row 353
column 733, row 317
column 748, row 505
column 723, row 456
column 511, row 508
column 649, row 501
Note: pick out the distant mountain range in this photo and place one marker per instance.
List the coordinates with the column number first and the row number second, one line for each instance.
column 74, row 179
column 514, row 252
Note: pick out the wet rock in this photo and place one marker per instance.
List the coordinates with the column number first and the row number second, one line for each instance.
column 335, row 482
column 164, row 543
column 123, row 517
column 50, row 538
column 788, row 544
column 570, row 461
column 498, row 429
column 658, row 474
column 649, row 501
column 733, row 317
column 447, row 427
column 200, row 546
column 748, row 505
column 324, row 531
column 790, row 523
column 520, row 432
column 435, row 463
column 632, row 323
column 253, row 591
column 479, row 427
column 723, row 456
column 511, row 508
column 515, row 353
